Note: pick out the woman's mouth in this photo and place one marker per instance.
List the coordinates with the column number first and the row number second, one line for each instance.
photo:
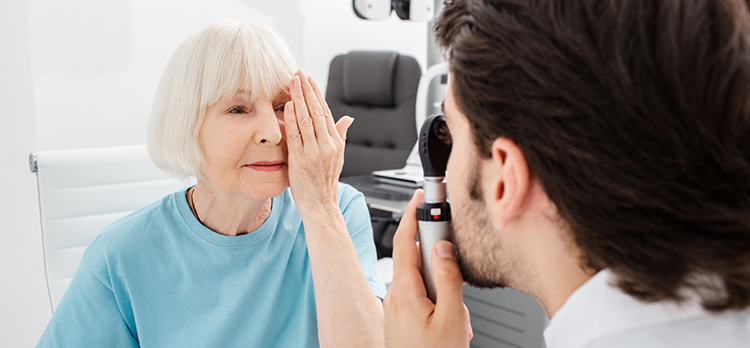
column 266, row 166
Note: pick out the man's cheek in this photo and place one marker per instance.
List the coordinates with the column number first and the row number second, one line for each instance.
column 453, row 182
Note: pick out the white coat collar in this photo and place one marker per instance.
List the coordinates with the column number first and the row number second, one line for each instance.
column 598, row 308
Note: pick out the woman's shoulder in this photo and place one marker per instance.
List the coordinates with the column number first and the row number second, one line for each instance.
column 136, row 228
column 347, row 194
column 352, row 203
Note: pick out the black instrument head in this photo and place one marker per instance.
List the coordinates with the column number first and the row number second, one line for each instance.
column 434, row 146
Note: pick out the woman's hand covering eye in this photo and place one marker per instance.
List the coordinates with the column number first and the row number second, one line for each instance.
column 315, row 143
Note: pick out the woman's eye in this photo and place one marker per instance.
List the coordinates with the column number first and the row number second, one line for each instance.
column 281, row 107
column 237, row 110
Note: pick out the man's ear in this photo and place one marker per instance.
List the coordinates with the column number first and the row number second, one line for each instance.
column 511, row 186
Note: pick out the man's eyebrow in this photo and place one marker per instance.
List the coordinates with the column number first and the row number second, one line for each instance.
column 442, row 106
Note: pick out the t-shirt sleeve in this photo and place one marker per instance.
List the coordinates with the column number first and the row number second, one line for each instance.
column 357, row 218
column 88, row 314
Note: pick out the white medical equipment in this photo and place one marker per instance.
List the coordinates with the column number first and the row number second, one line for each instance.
column 411, row 10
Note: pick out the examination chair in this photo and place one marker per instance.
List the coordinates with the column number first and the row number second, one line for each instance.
column 379, row 90
column 81, row 191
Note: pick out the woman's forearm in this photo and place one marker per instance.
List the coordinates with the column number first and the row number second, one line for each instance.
column 349, row 315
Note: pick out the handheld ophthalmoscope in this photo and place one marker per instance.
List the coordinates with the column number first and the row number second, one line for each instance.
column 434, row 214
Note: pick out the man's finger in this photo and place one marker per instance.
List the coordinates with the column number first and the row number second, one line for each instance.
column 405, row 255
column 448, row 280
column 468, row 322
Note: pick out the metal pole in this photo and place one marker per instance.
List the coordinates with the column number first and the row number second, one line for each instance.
column 434, row 56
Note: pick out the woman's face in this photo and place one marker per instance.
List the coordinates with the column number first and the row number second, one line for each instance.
column 244, row 146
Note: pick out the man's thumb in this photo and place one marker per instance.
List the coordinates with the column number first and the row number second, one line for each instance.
column 448, row 279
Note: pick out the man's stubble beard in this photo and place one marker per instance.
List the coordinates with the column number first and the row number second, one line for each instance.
column 480, row 253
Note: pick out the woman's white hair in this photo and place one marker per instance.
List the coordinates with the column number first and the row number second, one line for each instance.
column 209, row 66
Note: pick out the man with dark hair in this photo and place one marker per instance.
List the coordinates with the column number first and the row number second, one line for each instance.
column 600, row 164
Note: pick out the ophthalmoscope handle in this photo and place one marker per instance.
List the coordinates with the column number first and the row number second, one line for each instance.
column 433, row 220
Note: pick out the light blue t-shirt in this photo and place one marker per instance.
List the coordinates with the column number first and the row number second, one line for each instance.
column 158, row 278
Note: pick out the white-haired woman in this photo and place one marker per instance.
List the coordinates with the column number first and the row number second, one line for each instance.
column 267, row 250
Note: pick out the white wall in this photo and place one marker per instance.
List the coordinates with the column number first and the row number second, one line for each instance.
column 82, row 73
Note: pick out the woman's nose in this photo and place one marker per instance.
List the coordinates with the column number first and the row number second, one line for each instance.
column 268, row 131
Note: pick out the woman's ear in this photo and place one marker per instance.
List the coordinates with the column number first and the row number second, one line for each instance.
column 511, row 187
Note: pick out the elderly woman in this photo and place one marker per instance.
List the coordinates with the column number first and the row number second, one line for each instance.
column 267, row 250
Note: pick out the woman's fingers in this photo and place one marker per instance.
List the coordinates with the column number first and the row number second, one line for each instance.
column 316, row 108
column 342, row 126
column 330, row 124
column 303, row 120
column 293, row 137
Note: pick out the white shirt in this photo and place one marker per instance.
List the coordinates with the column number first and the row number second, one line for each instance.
column 599, row 315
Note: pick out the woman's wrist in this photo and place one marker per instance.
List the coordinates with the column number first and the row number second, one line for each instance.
column 320, row 212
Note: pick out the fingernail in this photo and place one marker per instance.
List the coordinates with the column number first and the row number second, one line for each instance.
column 289, row 106
column 296, row 81
column 446, row 250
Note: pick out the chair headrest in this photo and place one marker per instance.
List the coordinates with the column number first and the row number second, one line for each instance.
column 368, row 78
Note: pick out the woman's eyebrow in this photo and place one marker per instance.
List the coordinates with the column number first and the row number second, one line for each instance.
column 283, row 95
column 240, row 94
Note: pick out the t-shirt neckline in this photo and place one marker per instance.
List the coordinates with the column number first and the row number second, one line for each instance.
column 227, row 241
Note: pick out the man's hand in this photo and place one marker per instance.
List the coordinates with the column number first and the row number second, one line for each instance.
column 411, row 319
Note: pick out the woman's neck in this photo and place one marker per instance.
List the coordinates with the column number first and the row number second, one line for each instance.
column 227, row 214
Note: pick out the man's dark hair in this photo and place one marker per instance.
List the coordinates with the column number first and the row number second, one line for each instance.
column 635, row 117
